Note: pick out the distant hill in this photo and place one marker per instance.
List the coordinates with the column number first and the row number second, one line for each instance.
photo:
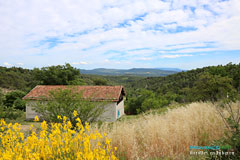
column 171, row 69
column 177, row 83
column 145, row 72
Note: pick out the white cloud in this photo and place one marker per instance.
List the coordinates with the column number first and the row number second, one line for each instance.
column 20, row 64
column 145, row 58
column 176, row 56
column 89, row 30
column 106, row 60
column 6, row 64
column 76, row 63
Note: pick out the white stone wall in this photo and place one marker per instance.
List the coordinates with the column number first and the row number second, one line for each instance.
column 30, row 113
column 110, row 113
column 119, row 109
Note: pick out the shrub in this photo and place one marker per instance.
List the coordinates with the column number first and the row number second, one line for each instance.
column 212, row 87
column 230, row 113
column 19, row 104
column 2, row 112
column 1, row 97
column 64, row 102
column 77, row 81
column 10, row 113
column 12, row 96
column 56, row 75
column 100, row 82
column 60, row 141
column 143, row 100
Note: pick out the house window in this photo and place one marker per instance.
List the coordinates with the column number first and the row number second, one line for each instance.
column 118, row 113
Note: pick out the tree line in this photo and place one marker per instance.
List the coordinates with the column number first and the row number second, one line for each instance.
column 20, row 81
column 204, row 84
column 25, row 79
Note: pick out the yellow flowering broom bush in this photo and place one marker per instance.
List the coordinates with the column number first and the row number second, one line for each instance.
column 54, row 141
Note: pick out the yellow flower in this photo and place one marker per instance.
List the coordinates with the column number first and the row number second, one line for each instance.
column 36, row 119
column 55, row 143
column 31, row 127
column 75, row 113
column 87, row 126
column 79, row 120
column 69, row 124
column 64, row 118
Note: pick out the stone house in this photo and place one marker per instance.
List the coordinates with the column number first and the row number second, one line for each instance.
column 112, row 95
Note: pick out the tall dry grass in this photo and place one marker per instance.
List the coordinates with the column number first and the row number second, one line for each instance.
column 166, row 136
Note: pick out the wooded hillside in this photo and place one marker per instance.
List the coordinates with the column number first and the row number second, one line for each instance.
column 204, row 84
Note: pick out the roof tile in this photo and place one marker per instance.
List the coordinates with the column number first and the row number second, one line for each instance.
column 96, row 93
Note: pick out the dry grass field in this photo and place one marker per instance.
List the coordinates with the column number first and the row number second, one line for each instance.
column 169, row 135
column 162, row 136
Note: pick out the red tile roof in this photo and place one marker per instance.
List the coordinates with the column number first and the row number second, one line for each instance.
column 96, row 93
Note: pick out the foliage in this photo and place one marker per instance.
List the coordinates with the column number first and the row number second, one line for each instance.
column 56, row 75
column 205, row 84
column 17, row 78
column 6, row 111
column 125, row 80
column 143, row 72
column 19, row 104
column 11, row 97
column 100, row 82
column 77, row 81
column 64, row 102
column 212, row 87
column 2, row 97
column 232, row 122
column 2, row 112
column 143, row 100
column 25, row 79
column 55, row 141
column 10, row 113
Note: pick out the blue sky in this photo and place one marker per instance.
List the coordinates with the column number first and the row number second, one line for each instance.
column 119, row 33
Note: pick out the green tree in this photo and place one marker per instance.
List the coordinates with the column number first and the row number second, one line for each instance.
column 19, row 104
column 212, row 87
column 8, row 112
column 1, row 104
column 143, row 100
column 100, row 82
column 64, row 103
column 1, row 97
column 77, row 81
column 12, row 96
column 12, row 80
column 56, row 75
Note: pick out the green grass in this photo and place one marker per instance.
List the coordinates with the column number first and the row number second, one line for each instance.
column 20, row 120
column 158, row 111
column 25, row 125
